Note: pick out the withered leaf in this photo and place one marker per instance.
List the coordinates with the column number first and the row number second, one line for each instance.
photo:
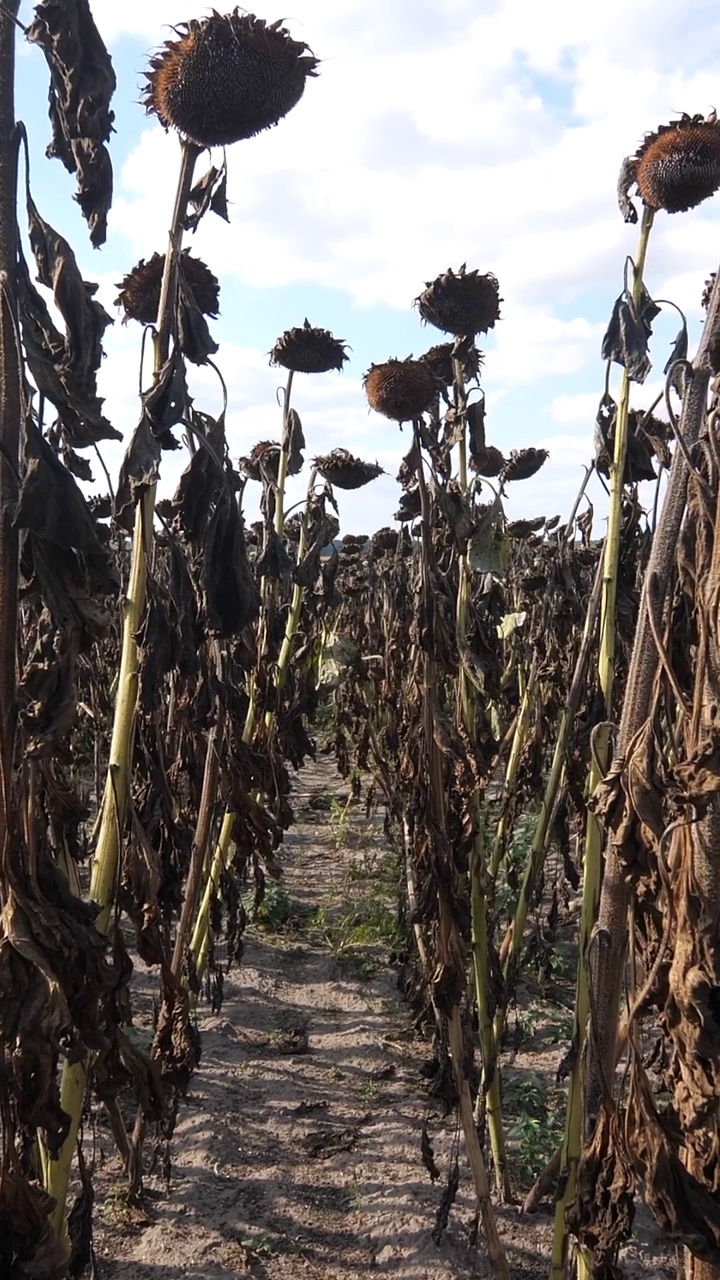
column 77, row 403
column 228, row 592
column 46, row 693
column 476, row 429
column 194, row 337
column 488, row 549
column 427, row 1153
column 52, row 506
column 628, row 333
column 177, row 1040
column 602, row 1215
column 296, row 444
column 167, row 402
column 209, row 193
column 82, row 82
column 79, row 1224
column 679, row 348
column 321, row 529
column 29, row 1247
column 274, row 561
column 204, row 476
column 442, row 1217
column 626, row 179
column 85, row 319
column 139, row 472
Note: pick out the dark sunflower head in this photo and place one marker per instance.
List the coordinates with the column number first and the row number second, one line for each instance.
column 675, row 168
column 345, row 471
column 440, row 360
column 465, row 302
column 262, row 462
column 227, row 78
column 400, row 389
column 309, row 350
column 139, row 294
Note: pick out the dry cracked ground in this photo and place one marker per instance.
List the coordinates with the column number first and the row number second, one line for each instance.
column 297, row 1155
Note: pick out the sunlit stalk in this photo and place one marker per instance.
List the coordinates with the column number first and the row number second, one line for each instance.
column 478, row 865
column 117, row 787
column 592, row 874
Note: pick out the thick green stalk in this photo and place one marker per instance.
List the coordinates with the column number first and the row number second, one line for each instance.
column 592, row 873
column 117, row 787
column 478, row 865
column 203, row 829
column 511, row 772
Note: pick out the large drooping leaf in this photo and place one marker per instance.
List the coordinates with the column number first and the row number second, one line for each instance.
column 82, row 82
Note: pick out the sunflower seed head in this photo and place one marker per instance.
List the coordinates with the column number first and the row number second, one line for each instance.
column 463, row 302
column 309, row 350
column 227, row 78
column 139, row 294
column 675, row 168
column 401, row 389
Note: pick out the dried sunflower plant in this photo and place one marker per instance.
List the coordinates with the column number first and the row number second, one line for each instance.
column 476, row 665
column 659, row 883
column 183, row 647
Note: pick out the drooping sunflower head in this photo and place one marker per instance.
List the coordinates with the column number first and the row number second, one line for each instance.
column 400, row 389
column 463, row 302
column 309, row 350
column 440, row 359
column 139, row 294
column 345, row 471
column 227, row 78
column 675, row 168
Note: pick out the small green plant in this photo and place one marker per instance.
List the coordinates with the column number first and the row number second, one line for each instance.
column 534, row 1109
column 261, row 1245
column 357, row 965
column 340, row 820
column 277, row 908
column 356, row 1194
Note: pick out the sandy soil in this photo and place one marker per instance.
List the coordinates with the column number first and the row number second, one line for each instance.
column 298, row 1152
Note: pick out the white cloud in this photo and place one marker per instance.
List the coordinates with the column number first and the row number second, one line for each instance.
column 435, row 135
column 496, row 140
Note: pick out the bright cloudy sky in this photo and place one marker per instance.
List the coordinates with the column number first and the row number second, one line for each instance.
column 435, row 134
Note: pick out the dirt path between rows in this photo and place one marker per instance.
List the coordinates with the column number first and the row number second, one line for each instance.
column 297, row 1154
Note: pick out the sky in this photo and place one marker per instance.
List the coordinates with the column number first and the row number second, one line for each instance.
column 489, row 133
